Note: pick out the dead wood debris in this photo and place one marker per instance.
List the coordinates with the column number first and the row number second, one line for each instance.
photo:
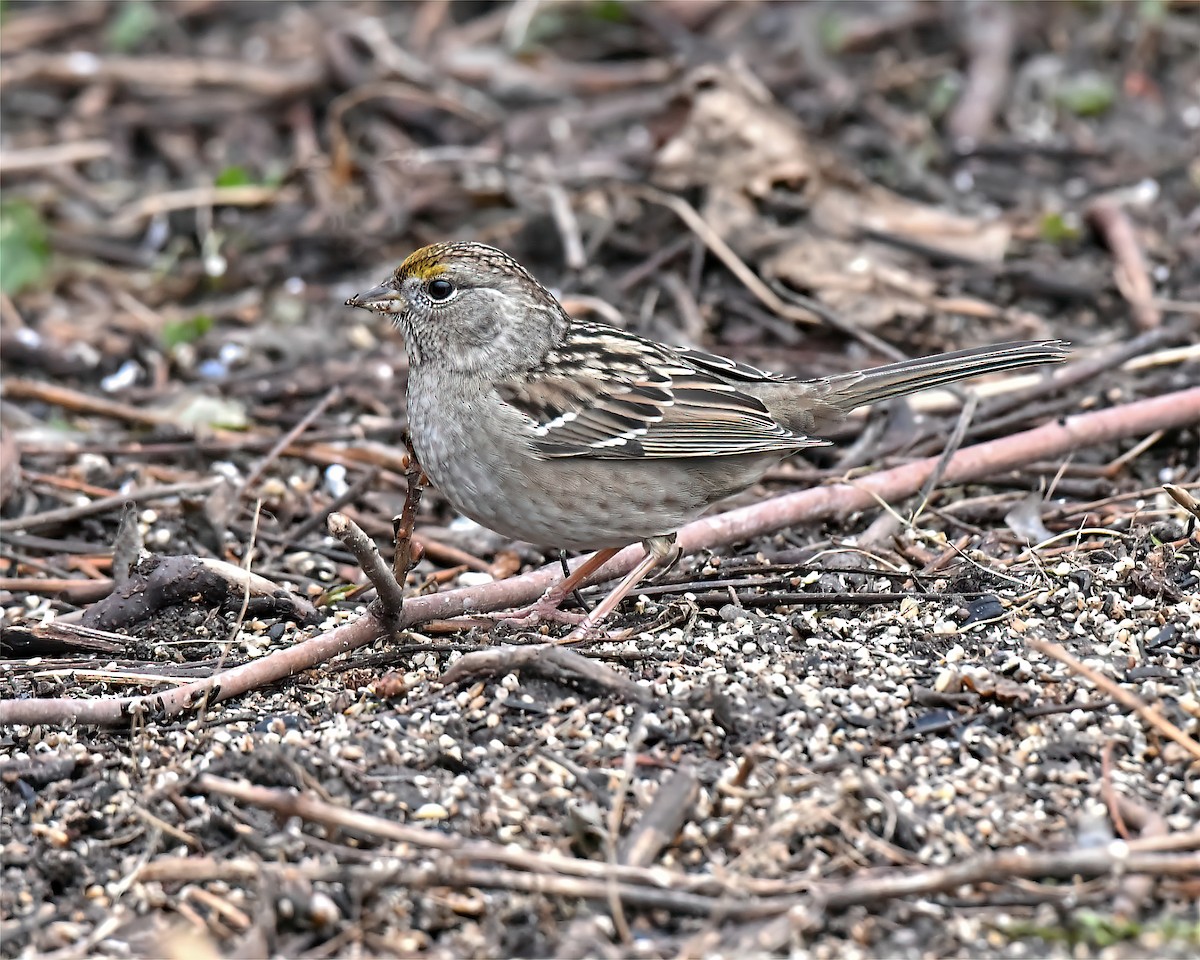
column 833, row 729
column 980, row 461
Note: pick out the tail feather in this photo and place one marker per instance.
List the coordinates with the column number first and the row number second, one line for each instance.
column 851, row 390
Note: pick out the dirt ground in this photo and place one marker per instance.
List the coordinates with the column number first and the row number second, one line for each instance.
column 958, row 718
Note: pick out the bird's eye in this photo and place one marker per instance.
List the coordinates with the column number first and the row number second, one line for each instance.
column 439, row 289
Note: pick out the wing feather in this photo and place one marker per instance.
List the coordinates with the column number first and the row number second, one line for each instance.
column 608, row 394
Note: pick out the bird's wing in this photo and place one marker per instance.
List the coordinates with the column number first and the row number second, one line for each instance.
column 608, row 394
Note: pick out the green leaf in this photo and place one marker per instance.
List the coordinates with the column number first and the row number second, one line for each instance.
column 1058, row 229
column 1152, row 12
column 234, row 176
column 335, row 594
column 832, row 28
column 1087, row 94
column 179, row 332
column 132, row 25
column 24, row 246
column 610, row 11
column 944, row 92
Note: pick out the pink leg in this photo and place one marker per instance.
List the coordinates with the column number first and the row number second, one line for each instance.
column 658, row 549
column 546, row 609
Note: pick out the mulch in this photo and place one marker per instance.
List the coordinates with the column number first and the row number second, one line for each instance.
column 928, row 691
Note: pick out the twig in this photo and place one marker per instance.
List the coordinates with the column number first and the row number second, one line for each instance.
column 1131, row 273
column 1160, row 358
column 408, row 552
column 165, row 75
column 391, row 594
column 990, row 35
column 1109, row 792
column 16, row 388
column 50, row 518
column 37, row 159
column 74, row 591
column 834, row 321
column 548, row 660
column 289, row 438
column 1135, row 890
column 637, row 736
column 1147, row 712
column 564, row 217
column 1006, row 865
column 349, row 495
column 672, row 806
column 1169, row 411
column 648, row 888
column 249, row 195
column 110, row 676
column 72, row 636
column 965, row 417
column 696, row 223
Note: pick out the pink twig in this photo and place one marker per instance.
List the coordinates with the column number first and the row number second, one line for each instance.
column 1050, row 441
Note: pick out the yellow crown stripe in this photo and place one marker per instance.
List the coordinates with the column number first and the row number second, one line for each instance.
column 425, row 263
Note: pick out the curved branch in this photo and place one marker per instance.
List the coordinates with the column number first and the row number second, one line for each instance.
column 1136, row 419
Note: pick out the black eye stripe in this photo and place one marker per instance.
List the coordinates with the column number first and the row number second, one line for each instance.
column 439, row 289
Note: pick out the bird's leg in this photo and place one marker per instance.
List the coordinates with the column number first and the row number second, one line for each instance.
column 657, row 549
column 566, row 569
column 547, row 608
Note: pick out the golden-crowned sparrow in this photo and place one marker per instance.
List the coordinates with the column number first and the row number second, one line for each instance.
column 580, row 435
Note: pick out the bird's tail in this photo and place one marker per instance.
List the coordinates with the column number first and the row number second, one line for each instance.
column 849, row 390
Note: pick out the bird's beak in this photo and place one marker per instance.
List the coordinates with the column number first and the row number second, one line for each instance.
column 380, row 299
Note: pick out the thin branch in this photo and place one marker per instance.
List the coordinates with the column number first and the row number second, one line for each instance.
column 1147, row 712
column 482, row 863
column 391, row 594
column 60, row 515
column 725, row 253
column 37, row 159
column 289, row 438
column 1052, row 440
column 1130, row 270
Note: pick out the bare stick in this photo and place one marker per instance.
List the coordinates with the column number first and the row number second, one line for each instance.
column 671, row 808
column 547, row 660
column 50, row 518
column 17, row 388
column 391, row 594
column 1052, row 440
column 1147, row 712
column 1131, row 272
column 165, row 75
column 408, row 551
column 990, row 33
column 289, row 438
column 249, row 195
column 37, row 159
column 703, row 894
column 751, row 280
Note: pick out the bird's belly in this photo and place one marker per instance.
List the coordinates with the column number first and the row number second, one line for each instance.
column 565, row 502
column 489, row 474
column 564, row 505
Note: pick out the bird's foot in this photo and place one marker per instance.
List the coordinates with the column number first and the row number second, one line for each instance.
column 546, row 610
column 594, row 633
